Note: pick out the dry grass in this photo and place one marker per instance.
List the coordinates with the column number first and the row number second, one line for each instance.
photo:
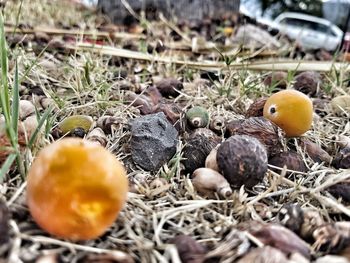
column 150, row 219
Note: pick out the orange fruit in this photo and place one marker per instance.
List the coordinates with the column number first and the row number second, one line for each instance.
column 76, row 189
column 291, row 110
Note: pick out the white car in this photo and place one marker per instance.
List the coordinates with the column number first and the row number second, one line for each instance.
column 309, row 31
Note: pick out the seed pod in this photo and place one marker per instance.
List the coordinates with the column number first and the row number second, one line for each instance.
column 207, row 181
column 210, row 161
column 197, row 147
column 291, row 216
column 98, row 136
column 290, row 159
column 341, row 104
column 197, row 117
column 75, row 121
column 242, row 160
column 264, row 254
column 169, row 87
column 189, row 250
column 316, row 153
column 109, row 123
column 256, row 109
column 260, row 128
column 277, row 79
column 307, row 82
column 312, row 220
column 217, row 124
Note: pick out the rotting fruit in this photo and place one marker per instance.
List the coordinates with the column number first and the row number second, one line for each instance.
column 76, row 189
column 291, row 110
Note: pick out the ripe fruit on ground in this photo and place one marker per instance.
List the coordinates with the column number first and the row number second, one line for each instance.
column 291, row 110
column 76, row 189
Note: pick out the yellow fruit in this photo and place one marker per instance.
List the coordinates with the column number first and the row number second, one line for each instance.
column 291, row 110
column 76, row 189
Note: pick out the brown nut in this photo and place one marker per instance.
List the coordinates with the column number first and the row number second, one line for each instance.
column 189, row 250
column 308, row 82
column 197, row 147
column 242, row 160
column 292, row 160
column 256, row 109
column 169, row 87
column 207, row 181
column 277, row 79
column 316, row 153
column 260, row 128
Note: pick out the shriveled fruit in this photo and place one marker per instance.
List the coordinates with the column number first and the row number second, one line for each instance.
column 76, row 189
column 291, row 110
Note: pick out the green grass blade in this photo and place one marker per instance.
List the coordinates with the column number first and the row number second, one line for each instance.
column 4, row 94
column 40, row 124
column 7, row 165
column 15, row 102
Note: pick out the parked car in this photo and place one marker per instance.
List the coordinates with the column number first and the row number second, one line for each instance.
column 309, row 31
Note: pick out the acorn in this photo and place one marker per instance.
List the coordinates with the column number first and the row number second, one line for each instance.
column 260, row 128
column 75, row 121
column 242, row 160
column 292, row 160
column 277, row 79
column 217, row 124
column 315, row 152
column 256, row 109
column 197, row 147
column 197, row 117
column 207, row 181
column 307, row 82
column 341, row 104
column 169, row 87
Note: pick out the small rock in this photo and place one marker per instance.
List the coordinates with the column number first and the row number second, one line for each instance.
column 153, row 141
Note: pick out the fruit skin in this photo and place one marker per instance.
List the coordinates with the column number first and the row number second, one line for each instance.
column 76, row 189
column 291, row 110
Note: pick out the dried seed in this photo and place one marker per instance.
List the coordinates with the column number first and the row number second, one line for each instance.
column 256, row 109
column 190, row 251
column 197, row 117
column 242, row 160
column 197, row 147
column 291, row 216
column 206, row 181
